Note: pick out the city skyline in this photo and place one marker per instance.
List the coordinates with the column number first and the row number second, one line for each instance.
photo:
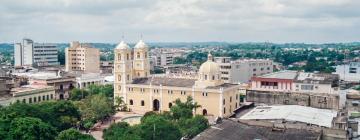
column 278, row 21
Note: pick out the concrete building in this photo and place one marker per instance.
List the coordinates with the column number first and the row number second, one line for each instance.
column 28, row 94
column 349, row 72
column 165, row 57
column 241, row 71
column 296, row 88
column 28, row 53
column 82, row 57
column 85, row 80
column 62, row 85
column 143, row 93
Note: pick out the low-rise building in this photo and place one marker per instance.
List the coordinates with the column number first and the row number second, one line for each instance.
column 241, row 71
column 296, row 88
column 28, row 94
column 62, row 84
column 349, row 72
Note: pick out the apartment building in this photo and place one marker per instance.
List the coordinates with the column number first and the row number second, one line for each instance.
column 241, row 70
column 82, row 57
column 28, row 53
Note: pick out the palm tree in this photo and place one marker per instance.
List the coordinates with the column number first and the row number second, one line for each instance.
column 119, row 102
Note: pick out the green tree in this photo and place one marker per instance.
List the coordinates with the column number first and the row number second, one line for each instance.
column 122, row 131
column 73, row 134
column 193, row 126
column 184, row 110
column 120, row 103
column 157, row 127
column 29, row 128
column 78, row 94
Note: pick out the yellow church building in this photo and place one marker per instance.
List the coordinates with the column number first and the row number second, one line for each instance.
column 143, row 92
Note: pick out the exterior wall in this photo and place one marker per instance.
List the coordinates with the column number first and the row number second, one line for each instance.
column 317, row 88
column 18, row 54
column 282, row 85
column 45, row 55
column 326, row 101
column 241, row 71
column 62, row 86
column 33, row 96
column 82, row 58
column 210, row 100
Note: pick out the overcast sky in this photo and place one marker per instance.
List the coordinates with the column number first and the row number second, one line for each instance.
column 309, row 21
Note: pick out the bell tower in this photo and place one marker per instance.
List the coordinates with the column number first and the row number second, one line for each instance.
column 141, row 62
column 122, row 69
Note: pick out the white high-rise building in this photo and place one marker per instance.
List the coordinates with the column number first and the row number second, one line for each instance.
column 28, row 53
column 241, row 71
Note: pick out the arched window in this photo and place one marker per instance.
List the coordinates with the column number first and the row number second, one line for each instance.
column 145, row 56
column 119, row 57
column 170, row 105
column 131, row 102
column 119, row 77
column 138, row 55
column 127, row 56
column 138, row 74
column 128, row 77
column 213, row 77
column 205, row 77
column 142, row 103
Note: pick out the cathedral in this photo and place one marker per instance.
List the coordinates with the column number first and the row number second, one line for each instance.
column 143, row 92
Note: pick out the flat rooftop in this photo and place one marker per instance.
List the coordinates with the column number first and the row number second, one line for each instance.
column 285, row 74
column 232, row 130
column 26, row 88
column 309, row 115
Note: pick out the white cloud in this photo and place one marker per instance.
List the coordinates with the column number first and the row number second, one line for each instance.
column 180, row 20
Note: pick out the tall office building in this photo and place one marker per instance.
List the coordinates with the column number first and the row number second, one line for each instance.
column 28, row 53
column 82, row 57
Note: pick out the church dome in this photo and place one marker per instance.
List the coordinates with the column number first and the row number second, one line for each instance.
column 209, row 67
column 140, row 45
column 122, row 46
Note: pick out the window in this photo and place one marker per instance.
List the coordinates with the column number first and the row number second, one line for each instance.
column 131, row 102
column 127, row 56
column 30, row 100
column 24, row 101
column 128, row 77
column 205, row 77
column 47, row 97
column 254, row 69
column 307, row 87
column 230, row 99
column 119, row 77
column 119, row 57
column 205, row 94
column 213, row 77
column 223, row 101
column 138, row 55
column 43, row 98
column 51, row 96
column 170, row 105
column 224, row 110
column 39, row 98
column 142, row 103
column 34, row 99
